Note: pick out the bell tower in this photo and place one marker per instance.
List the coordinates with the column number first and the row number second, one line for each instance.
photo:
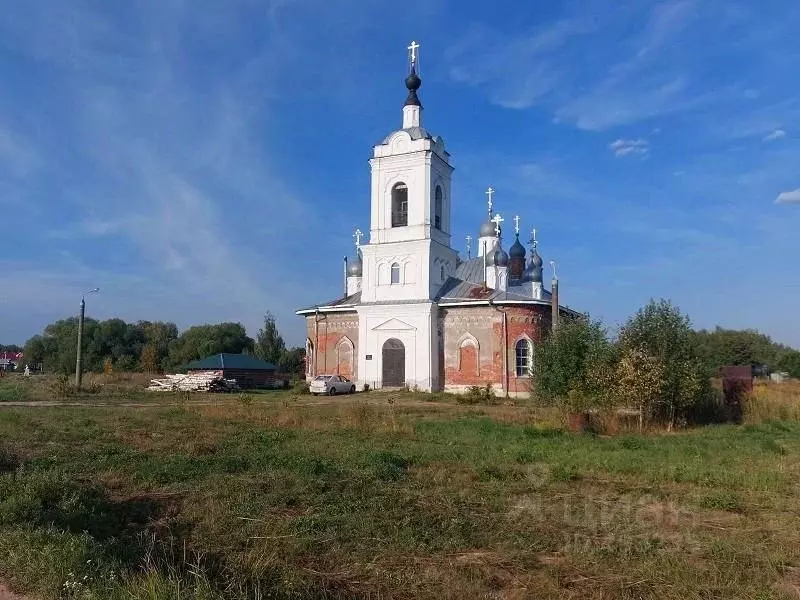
column 409, row 255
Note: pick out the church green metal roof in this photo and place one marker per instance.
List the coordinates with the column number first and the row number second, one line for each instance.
column 231, row 361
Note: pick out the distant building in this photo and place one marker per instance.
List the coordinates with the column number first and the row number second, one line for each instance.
column 248, row 371
column 779, row 376
column 10, row 360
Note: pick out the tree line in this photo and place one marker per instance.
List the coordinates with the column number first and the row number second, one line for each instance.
column 656, row 363
column 153, row 346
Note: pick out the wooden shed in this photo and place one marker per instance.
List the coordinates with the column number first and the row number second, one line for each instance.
column 248, row 371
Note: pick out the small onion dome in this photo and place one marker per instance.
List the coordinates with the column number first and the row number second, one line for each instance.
column 412, row 83
column 500, row 257
column 355, row 268
column 517, row 250
column 536, row 259
column 533, row 272
column 488, row 229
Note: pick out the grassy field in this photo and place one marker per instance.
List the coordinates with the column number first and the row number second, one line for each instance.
column 388, row 496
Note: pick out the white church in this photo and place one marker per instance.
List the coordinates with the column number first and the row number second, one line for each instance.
column 415, row 314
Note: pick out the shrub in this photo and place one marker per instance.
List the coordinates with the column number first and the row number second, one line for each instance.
column 478, row 395
column 639, row 381
column 245, row 399
column 62, row 387
column 300, row 387
column 573, row 365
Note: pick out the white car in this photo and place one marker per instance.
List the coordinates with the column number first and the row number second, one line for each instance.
column 331, row 385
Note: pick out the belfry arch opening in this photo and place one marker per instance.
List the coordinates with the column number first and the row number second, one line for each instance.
column 438, row 207
column 400, row 205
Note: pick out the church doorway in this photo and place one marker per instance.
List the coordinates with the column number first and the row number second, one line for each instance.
column 394, row 363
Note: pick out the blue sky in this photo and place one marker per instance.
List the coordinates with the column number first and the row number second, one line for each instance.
column 206, row 161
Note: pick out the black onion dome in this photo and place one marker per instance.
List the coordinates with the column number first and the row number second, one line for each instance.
column 536, row 259
column 355, row 268
column 412, row 83
column 533, row 272
column 517, row 250
column 500, row 257
column 488, row 229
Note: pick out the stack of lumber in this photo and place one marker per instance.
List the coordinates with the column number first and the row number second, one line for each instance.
column 193, row 382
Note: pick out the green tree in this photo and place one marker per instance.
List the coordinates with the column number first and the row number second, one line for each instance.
column 269, row 344
column 204, row 340
column 56, row 347
column 36, row 350
column 573, row 364
column 158, row 335
column 663, row 334
column 721, row 347
column 292, row 361
column 148, row 359
column 789, row 361
column 114, row 339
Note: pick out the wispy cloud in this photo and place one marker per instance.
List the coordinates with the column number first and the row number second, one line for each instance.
column 641, row 61
column 542, row 67
column 775, row 135
column 791, row 197
column 498, row 70
column 623, row 147
column 183, row 192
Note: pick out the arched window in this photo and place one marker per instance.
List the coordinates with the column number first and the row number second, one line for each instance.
column 399, row 205
column 395, row 273
column 437, row 211
column 524, row 358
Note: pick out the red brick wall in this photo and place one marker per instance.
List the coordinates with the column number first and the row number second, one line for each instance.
column 460, row 324
column 522, row 322
column 331, row 353
column 485, row 326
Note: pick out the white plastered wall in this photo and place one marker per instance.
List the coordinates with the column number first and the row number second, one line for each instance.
column 412, row 324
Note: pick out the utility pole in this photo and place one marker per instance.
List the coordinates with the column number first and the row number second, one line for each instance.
column 78, row 366
column 78, row 371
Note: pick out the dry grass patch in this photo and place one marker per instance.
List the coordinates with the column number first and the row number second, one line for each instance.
column 350, row 415
column 362, row 498
column 773, row 402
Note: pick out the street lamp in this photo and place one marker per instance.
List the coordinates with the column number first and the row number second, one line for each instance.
column 78, row 370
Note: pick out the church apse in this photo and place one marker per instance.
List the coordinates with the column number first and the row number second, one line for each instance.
column 334, row 338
